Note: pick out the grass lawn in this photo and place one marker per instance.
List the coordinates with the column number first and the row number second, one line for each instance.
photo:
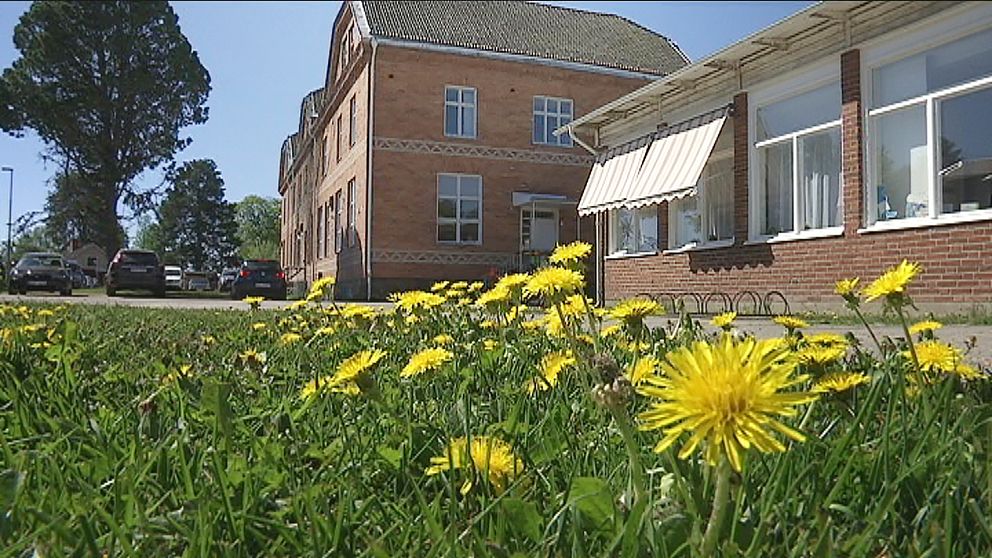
column 446, row 427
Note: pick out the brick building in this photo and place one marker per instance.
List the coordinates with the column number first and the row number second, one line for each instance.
column 428, row 153
column 832, row 144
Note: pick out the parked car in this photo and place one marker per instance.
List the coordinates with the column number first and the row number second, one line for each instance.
column 76, row 274
column 40, row 271
column 259, row 278
column 197, row 281
column 227, row 276
column 135, row 269
column 173, row 277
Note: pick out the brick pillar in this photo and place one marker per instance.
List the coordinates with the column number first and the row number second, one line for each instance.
column 740, row 168
column 852, row 141
column 663, row 226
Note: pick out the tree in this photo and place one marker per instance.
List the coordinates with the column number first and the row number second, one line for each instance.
column 35, row 239
column 149, row 237
column 258, row 227
column 107, row 86
column 73, row 208
column 197, row 226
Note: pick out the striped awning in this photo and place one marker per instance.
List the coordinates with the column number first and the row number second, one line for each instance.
column 612, row 175
column 675, row 160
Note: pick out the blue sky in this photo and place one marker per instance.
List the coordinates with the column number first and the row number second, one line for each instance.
column 263, row 57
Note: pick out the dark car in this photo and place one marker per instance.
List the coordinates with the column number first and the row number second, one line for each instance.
column 227, row 278
column 259, row 278
column 37, row 271
column 135, row 269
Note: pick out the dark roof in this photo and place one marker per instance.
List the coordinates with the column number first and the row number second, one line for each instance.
column 527, row 28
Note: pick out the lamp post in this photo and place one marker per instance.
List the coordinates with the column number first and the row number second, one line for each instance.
column 10, row 213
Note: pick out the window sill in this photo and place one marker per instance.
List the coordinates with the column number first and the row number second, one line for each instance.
column 811, row 234
column 453, row 244
column 924, row 222
column 626, row 256
column 561, row 145
column 715, row 245
column 452, row 136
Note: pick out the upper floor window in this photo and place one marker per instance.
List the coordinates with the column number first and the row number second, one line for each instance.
column 352, row 212
column 459, row 208
column 344, row 52
column 353, row 121
column 930, row 132
column 634, row 231
column 340, row 133
column 459, row 111
column 338, row 222
column 797, row 182
column 551, row 113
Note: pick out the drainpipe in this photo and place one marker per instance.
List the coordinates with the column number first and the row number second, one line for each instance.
column 368, row 177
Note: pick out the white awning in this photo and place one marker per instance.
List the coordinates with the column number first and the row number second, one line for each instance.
column 612, row 176
column 675, row 160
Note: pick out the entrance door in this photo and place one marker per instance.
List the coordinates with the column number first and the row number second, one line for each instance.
column 538, row 229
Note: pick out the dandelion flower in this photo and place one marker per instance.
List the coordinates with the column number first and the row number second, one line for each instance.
column 846, row 287
column 893, row 283
column 413, row 300
column 635, row 310
column 319, row 288
column 326, row 383
column 821, row 355
column 289, row 338
column 644, row 368
column 609, row 331
column 840, row 382
column 575, row 305
column 826, row 339
column 493, row 298
column 552, row 282
column 428, row 359
column 484, row 455
column 459, row 286
column 724, row 320
column 251, row 357
column 253, row 301
column 185, row 371
column 568, row 253
column 297, row 305
column 355, row 365
column 489, row 344
column 513, row 282
column 936, row 356
column 45, row 313
column 443, row 339
column 359, row 311
column 925, row 325
column 208, row 339
column 790, row 322
column 439, row 286
column 726, row 396
column 550, row 368
column 476, row 286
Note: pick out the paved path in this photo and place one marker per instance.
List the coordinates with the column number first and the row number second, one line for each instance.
column 958, row 335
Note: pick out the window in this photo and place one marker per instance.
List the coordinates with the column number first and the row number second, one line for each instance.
column 708, row 216
column 798, row 182
column 459, row 111
column 338, row 222
column 352, row 212
column 320, row 232
column 326, row 157
column 459, row 208
column 551, row 113
column 345, row 52
column 634, row 231
column 339, row 132
column 930, row 132
column 353, row 126
column 328, row 208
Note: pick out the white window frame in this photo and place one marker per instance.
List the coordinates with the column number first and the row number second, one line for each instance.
column 352, row 212
column 458, row 221
column 559, row 141
column 805, row 80
column 461, row 107
column 935, row 32
column 338, row 230
column 353, row 121
column 320, row 231
column 615, row 251
column 702, row 201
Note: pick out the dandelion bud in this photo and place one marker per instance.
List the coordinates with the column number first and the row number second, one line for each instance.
column 606, row 367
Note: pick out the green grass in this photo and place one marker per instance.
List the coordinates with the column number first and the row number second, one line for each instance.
column 100, row 454
column 977, row 315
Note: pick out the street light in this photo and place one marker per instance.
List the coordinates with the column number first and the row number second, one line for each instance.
column 10, row 212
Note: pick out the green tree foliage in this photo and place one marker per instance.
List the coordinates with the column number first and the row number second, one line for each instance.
column 35, row 239
column 149, row 237
column 107, row 86
column 74, row 212
column 258, row 227
column 197, row 227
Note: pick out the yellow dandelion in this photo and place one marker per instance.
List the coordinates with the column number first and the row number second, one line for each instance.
column 32, row 328
column 516, row 312
column 968, row 372
column 925, row 325
column 208, row 339
column 634, row 310
column 476, row 286
column 489, row 344
column 355, row 365
column 553, row 324
column 553, row 282
column 487, row 456
column 634, row 347
column 575, row 305
column 358, row 311
column 464, row 301
column 724, row 320
column 644, row 368
column 494, row 298
column 840, row 382
column 894, row 282
column 254, row 302
column 568, row 253
column 610, row 330
column 826, row 339
column 428, row 359
column 513, row 282
column 549, row 369
column 315, row 386
column 443, row 339
column 259, row 326
column 289, row 338
column 821, row 355
column 847, row 287
column 726, row 396
column 251, row 357
column 459, row 285
column 533, row 325
column 185, row 371
column 936, row 356
column 790, row 322
column 297, row 305
column 320, row 288
column 45, row 313
column 439, row 286
column 413, row 300
column 488, row 324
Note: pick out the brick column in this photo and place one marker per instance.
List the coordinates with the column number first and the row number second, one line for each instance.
column 852, row 141
column 662, row 226
column 740, row 168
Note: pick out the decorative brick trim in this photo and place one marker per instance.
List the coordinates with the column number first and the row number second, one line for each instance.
column 501, row 259
column 740, row 168
column 852, row 140
column 480, row 151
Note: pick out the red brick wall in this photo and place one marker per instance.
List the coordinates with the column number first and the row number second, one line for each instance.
column 957, row 259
